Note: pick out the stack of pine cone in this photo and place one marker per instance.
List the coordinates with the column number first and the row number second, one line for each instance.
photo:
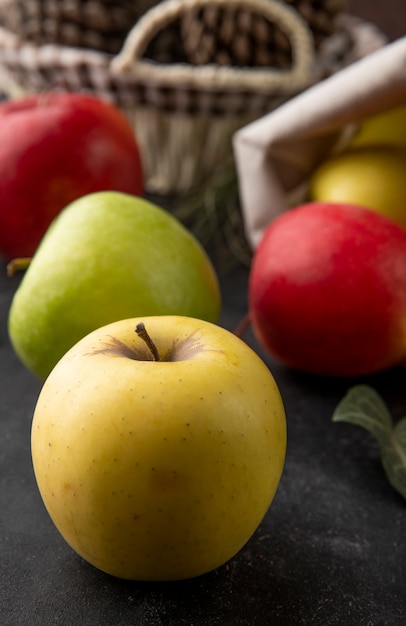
column 236, row 36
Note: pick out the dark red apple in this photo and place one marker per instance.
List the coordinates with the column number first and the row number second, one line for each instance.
column 54, row 148
column 327, row 290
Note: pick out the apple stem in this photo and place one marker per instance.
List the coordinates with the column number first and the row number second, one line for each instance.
column 17, row 265
column 142, row 333
column 243, row 325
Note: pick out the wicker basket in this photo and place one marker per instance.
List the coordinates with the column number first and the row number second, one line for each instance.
column 97, row 24
column 184, row 115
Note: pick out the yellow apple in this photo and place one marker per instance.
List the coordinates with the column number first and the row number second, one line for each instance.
column 371, row 177
column 158, row 452
column 387, row 128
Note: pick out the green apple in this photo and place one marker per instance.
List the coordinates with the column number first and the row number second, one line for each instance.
column 387, row 128
column 158, row 445
column 372, row 177
column 107, row 256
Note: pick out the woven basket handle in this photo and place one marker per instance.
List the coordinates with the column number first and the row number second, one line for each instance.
column 212, row 76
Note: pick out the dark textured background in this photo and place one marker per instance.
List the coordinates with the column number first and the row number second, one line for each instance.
column 331, row 550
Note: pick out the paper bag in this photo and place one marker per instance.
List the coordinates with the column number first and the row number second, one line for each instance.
column 275, row 155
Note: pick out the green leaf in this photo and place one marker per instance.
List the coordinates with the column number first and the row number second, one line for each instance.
column 393, row 457
column 364, row 407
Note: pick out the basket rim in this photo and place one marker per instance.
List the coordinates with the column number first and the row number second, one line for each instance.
column 18, row 56
column 259, row 79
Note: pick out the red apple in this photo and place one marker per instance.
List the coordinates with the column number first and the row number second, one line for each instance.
column 54, row 148
column 327, row 290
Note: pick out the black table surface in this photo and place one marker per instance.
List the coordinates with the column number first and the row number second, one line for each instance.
column 330, row 551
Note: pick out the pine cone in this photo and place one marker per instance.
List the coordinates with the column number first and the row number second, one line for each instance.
column 239, row 37
column 320, row 16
